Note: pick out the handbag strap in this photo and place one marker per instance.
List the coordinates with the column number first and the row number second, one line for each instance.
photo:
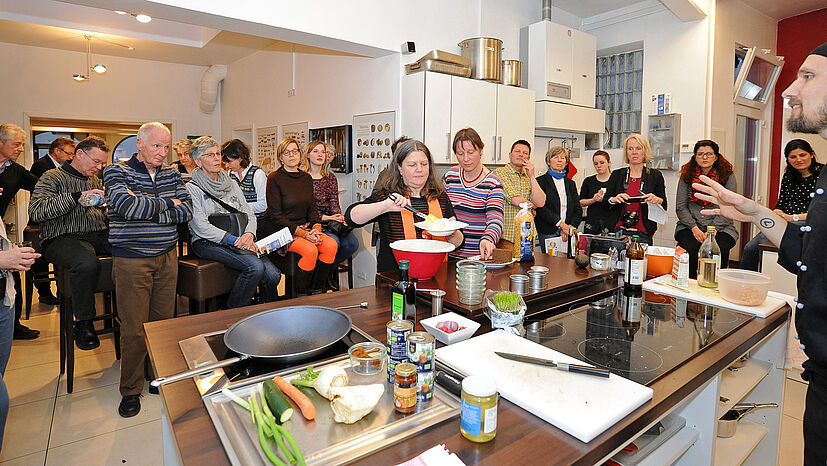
column 223, row 204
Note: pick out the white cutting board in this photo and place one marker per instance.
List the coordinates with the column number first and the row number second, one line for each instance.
column 581, row 405
column 710, row 296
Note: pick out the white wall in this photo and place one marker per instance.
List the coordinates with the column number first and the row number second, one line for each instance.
column 37, row 82
column 674, row 61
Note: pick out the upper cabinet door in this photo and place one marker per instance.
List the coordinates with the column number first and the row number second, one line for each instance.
column 584, row 64
column 474, row 105
column 515, row 118
column 437, row 114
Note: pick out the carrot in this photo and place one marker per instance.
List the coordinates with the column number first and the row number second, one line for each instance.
column 304, row 403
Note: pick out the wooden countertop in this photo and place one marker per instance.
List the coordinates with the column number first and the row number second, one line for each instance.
column 522, row 438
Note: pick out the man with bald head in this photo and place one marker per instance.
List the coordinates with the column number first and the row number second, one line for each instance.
column 802, row 248
column 146, row 200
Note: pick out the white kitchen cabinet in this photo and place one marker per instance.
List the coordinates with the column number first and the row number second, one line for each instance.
column 435, row 106
column 584, row 59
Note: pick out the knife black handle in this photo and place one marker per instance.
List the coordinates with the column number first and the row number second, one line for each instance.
column 588, row 370
column 448, row 382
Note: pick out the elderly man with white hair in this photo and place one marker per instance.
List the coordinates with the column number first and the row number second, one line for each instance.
column 146, row 201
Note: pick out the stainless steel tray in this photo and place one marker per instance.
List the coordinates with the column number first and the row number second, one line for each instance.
column 443, row 56
column 438, row 67
column 324, row 441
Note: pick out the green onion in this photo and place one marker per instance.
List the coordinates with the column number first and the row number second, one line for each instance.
column 239, row 401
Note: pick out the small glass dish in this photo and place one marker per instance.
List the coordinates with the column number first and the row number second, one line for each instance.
column 372, row 364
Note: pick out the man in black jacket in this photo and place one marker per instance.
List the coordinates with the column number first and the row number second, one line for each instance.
column 61, row 150
column 12, row 178
column 802, row 249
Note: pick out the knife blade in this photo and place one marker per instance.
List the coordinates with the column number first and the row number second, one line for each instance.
column 580, row 369
column 412, row 210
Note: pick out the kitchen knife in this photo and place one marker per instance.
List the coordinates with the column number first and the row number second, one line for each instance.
column 600, row 372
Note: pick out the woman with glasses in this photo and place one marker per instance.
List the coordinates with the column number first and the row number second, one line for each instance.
column 326, row 193
column 291, row 204
column 690, row 231
column 631, row 189
column 251, row 179
column 799, row 180
column 210, row 184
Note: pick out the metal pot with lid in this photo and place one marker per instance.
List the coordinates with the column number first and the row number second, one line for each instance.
column 485, row 54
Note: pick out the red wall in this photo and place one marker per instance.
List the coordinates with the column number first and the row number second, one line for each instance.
column 797, row 36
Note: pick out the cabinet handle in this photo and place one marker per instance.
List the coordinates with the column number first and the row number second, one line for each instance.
column 494, row 145
column 500, row 146
column 448, row 147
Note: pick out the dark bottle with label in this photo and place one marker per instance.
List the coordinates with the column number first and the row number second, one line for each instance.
column 635, row 265
column 572, row 249
column 403, row 296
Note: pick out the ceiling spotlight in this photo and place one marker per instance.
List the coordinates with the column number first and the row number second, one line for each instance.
column 120, row 12
column 99, row 68
column 142, row 18
column 79, row 77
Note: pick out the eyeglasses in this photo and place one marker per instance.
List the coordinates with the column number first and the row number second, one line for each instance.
column 705, row 155
column 291, row 152
column 212, row 155
column 65, row 151
column 330, row 152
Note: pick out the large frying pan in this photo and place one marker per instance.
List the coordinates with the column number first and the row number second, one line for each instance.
column 288, row 334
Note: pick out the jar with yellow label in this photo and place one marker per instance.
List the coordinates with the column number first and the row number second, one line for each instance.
column 478, row 415
column 404, row 388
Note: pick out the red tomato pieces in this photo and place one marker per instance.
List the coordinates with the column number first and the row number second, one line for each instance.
column 449, row 326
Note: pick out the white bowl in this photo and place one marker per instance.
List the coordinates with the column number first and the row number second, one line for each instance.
column 448, row 338
column 450, row 227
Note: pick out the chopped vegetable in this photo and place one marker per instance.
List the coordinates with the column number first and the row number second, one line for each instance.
column 349, row 404
column 277, row 402
column 361, row 353
column 262, row 437
column 331, row 376
column 240, row 401
column 507, row 302
column 305, row 379
column 449, row 326
column 276, row 434
column 304, row 403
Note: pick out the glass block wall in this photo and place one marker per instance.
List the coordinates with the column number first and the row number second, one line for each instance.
column 619, row 85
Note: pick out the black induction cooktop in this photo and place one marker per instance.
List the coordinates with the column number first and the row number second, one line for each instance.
column 639, row 336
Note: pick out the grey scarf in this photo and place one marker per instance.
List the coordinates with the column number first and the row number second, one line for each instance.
column 219, row 188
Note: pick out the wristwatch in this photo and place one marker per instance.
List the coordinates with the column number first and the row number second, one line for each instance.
column 796, row 218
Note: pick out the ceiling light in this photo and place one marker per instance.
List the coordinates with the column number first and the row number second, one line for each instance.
column 142, row 18
column 99, row 68
column 79, row 77
column 120, row 12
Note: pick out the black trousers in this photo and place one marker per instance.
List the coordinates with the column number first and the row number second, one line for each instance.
column 687, row 240
column 78, row 256
column 815, row 420
column 41, row 265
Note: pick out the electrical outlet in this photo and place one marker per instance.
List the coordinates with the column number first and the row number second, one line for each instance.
column 291, row 93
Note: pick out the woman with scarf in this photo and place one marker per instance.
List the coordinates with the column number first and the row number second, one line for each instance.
column 209, row 185
column 411, row 180
column 691, row 229
column 562, row 210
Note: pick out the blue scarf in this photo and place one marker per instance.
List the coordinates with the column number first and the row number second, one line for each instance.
column 556, row 175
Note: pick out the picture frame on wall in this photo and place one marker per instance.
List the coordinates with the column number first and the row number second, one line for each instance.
column 340, row 137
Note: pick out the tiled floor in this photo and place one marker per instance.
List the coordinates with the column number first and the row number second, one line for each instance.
column 47, row 426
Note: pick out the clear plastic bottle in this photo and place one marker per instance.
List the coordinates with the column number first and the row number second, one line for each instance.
column 709, row 260
column 90, row 199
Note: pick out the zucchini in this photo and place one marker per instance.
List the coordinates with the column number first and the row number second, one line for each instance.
column 277, row 402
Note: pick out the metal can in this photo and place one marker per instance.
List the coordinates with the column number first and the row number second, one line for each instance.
column 421, row 347
column 392, row 363
column 398, row 331
column 424, row 386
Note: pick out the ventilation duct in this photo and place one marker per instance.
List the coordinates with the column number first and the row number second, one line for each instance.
column 546, row 10
column 209, row 86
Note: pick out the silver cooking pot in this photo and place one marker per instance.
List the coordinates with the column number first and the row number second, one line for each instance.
column 728, row 423
column 485, row 54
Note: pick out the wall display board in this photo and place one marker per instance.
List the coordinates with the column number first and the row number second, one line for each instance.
column 297, row 131
column 267, row 139
column 339, row 137
column 373, row 135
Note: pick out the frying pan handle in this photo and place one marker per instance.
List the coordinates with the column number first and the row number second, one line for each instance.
column 197, row 371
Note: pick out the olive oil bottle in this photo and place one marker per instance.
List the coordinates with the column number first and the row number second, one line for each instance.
column 403, row 296
column 709, row 260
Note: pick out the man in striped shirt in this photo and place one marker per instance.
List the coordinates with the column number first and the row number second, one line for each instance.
column 73, row 235
column 146, row 201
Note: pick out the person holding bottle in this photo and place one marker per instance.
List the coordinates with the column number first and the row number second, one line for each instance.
column 561, row 212
column 691, row 230
column 593, row 194
column 631, row 190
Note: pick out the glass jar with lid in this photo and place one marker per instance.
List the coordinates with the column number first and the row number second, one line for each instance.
column 478, row 415
column 404, row 388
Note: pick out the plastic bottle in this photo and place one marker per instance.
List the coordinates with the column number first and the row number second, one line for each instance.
column 90, row 199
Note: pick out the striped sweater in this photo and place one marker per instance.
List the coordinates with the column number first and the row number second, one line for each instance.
column 143, row 223
column 480, row 206
column 54, row 204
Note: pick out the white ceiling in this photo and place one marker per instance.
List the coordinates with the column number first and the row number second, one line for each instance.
column 589, row 8
column 781, row 9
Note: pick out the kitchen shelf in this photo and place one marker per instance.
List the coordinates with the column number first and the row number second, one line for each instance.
column 735, row 385
column 672, row 449
column 734, row 451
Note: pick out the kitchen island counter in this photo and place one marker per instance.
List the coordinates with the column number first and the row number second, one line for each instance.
column 522, row 438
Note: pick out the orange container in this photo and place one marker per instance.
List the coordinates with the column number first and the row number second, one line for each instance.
column 659, row 261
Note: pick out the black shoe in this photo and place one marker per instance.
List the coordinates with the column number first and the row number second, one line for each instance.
column 48, row 298
column 85, row 336
column 333, row 281
column 130, row 405
column 21, row 332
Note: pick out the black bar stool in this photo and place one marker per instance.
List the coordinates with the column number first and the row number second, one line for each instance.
column 32, row 233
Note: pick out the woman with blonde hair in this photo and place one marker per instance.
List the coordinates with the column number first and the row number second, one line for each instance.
column 562, row 210
column 631, row 189
column 184, row 164
column 291, row 204
column 326, row 192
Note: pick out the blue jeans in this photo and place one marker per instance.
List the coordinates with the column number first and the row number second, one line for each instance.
column 6, row 333
column 347, row 246
column 254, row 271
column 752, row 255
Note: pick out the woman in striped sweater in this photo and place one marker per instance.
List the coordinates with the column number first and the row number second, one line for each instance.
column 477, row 196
